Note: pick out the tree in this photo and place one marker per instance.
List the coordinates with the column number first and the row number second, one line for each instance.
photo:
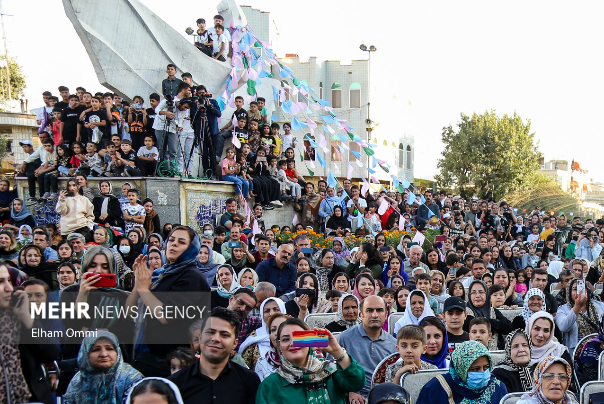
column 545, row 193
column 488, row 156
column 17, row 80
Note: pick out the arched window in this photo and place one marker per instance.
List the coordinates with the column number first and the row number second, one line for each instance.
column 336, row 95
column 401, row 155
column 355, row 95
column 321, row 90
column 409, row 157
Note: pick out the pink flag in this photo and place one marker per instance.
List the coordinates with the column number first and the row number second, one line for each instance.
column 401, row 223
column 295, row 220
column 236, row 143
column 419, row 238
column 364, row 188
column 256, row 228
column 350, row 168
column 383, row 207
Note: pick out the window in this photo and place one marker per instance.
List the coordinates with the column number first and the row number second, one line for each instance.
column 401, row 155
column 354, row 146
column 321, row 90
column 309, row 152
column 408, row 157
column 336, row 95
column 336, row 154
column 355, row 95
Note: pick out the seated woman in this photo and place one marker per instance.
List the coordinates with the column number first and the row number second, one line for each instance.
column 247, row 278
column 138, row 242
column 534, row 301
column 125, row 249
column 77, row 212
column 587, row 362
column 303, row 305
column 325, row 268
column 227, row 285
column 163, row 390
column 19, row 215
column 340, row 251
column 67, row 275
column 303, row 377
column 540, row 329
column 36, row 267
column 268, row 363
column 393, row 268
column 240, row 258
column 103, row 376
column 348, row 314
column 341, row 282
column 364, row 285
column 469, row 379
column 337, row 224
column 205, row 263
column 400, row 297
column 65, row 251
column 8, row 251
column 107, row 210
column 551, row 382
column 437, row 289
column 367, row 257
column 515, row 369
column 257, row 343
column 580, row 315
column 479, row 305
column 502, row 277
column 417, row 308
column 437, row 342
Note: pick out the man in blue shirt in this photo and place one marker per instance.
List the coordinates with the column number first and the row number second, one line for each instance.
column 279, row 271
column 42, row 240
column 422, row 212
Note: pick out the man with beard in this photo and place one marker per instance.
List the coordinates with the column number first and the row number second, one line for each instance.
column 367, row 342
column 241, row 303
column 563, row 234
column 279, row 271
column 214, row 376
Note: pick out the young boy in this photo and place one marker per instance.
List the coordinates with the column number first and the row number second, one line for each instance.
column 294, row 188
column 254, row 136
column 244, row 174
column 109, row 160
column 220, row 234
column 226, row 131
column 240, row 131
column 254, row 113
column 169, row 86
column 220, row 44
column 497, row 297
column 126, row 160
column 480, row 330
column 275, row 134
column 333, row 296
column 95, row 121
column 288, row 139
column 133, row 213
column 410, row 344
column 455, row 317
column 203, row 38
column 424, row 283
column 93, row 164
column 147, row 157
column 55, row 125
column 263, row 110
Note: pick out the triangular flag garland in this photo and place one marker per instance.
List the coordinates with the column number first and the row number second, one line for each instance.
column 249, row 66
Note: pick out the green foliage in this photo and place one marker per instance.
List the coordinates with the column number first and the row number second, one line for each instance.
column 4, row 149
column 488, row 156
column 545, row 193
column 17, row 80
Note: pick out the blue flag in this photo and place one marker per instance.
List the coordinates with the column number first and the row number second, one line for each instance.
column 410, row 198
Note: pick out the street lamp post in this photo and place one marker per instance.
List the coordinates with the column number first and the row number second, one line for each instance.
column 368, row 121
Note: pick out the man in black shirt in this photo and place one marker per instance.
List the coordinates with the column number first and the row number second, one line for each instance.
column 455, row 318
column 214, row 378
column 70, row 121
column 64, row 92
column 96, row 120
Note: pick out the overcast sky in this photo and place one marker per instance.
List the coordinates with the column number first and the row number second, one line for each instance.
column 435, row 60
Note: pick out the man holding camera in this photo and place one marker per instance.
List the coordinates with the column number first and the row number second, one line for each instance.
column 204, row 115
column 166, row 126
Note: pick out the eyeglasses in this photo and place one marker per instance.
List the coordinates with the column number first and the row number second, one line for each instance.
column 477, row 293
column 285, row 341
column 551, row 376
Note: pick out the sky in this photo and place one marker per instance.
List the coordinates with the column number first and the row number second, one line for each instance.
column 435, row 60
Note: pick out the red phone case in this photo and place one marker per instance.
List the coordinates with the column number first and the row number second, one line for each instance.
column 106, row 281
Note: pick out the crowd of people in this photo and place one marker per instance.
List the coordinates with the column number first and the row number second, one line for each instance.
column 262, row 283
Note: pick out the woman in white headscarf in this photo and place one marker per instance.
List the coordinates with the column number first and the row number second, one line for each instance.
column 227, row 286
column 417, row 308
column 534, row 301
column 164, row 388
column 540, row 328
column 258, row 343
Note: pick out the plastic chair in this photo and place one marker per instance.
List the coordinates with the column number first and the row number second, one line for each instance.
column 392, row 319
column 594, row 386
column 497, row 356
column 319, row 320
column 552, row 287
column 414, row 383
column 576, row 354
column 379, row 374
column 601, row 366
column 511, row 398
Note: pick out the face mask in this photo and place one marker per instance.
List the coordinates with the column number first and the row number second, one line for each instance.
column 208, row 232
column 124, row 249
column 478, row 380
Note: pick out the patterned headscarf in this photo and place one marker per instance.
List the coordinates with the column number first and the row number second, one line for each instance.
column 91, row 385
column 536, row 395
column 343, row 253
column 526, row 312
column 462, row 358
column 524, row 371
column 340, row 316
column 588, row 324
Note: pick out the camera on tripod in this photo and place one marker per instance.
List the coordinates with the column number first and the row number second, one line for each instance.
column 170, row 105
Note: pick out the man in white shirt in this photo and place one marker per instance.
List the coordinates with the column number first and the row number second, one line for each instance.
column 478, row 270
column 356, row 207
column 219, row 20
column 31, row 163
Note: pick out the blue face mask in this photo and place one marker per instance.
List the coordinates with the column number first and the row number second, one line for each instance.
column 478, row 380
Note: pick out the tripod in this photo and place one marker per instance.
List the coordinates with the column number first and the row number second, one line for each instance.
column 165, row 167
column 203, row 143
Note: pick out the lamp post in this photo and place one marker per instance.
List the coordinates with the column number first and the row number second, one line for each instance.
column 369, row 49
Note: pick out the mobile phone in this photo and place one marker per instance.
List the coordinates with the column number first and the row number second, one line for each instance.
column 106, row 280
column 580, row 287
column 411, row 244
column 540, row 244
column 453, row 271
column 15, row 301
column 384, row 248
column 136, row 106
column 440, row 238
column 261, row 159
column 71, row 194
column 311, row 293
column 306, row 250
column 234, row 244
column 305, row 338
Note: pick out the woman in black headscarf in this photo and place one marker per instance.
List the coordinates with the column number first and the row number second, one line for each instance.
column 36, row 267
column 479, row 305
column 515, row 369
column 337, row 223
column 107, row 207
